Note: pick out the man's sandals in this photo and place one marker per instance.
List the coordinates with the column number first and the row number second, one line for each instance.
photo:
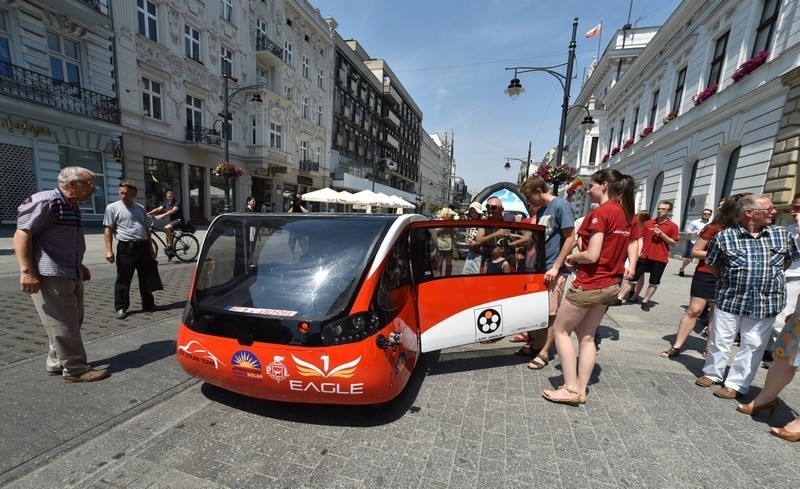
column 534, row 365
column 521, row 338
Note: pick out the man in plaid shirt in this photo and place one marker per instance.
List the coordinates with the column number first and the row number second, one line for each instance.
column 749, row 259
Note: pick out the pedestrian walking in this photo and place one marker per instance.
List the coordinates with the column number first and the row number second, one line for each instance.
column 127, row 221
column 693, row 231
column 49, row 244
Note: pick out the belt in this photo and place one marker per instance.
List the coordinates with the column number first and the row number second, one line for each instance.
column 132, row 244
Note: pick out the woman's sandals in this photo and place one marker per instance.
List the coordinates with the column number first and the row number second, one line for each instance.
column 534, row 365
column 672, row 352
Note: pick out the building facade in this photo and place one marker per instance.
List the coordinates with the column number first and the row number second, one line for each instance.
column 58, row 100
column 266, row 65
column 707, row 109
column 377, row 127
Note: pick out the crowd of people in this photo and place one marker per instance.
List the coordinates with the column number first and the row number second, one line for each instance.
column 748, row 275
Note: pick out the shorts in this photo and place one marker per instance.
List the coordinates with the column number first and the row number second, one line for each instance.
column 654, row 268
column 688, row 252
column 589, row 299
column 703, row 285
column 556, row 292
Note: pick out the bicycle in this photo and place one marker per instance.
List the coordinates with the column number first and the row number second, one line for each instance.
column 185, row 246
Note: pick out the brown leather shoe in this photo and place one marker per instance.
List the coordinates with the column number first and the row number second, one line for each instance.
column 88, row 376
column 705, row 381
column 726, row 393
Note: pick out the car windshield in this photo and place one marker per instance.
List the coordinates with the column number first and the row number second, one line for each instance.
column 290, row 267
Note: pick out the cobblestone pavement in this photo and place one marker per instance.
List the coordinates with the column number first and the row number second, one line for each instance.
column 471, row 417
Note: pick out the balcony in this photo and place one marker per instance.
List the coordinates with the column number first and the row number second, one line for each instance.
column 197, row 134
column 88, row 12
column 391, row 95
column 268, row 52
column 390, row 118
column 308, row 165
column 391, row 142
column 34, row 87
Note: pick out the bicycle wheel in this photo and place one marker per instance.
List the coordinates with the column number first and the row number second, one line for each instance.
column 185, row 247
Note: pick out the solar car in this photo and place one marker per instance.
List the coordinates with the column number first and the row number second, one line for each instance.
column 337, row 308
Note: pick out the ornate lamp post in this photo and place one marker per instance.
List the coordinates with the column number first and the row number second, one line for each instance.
column 226, row 117
column 515, row 89
column 507, row 166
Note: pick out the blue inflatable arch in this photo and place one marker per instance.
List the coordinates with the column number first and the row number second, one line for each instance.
column 509, row 195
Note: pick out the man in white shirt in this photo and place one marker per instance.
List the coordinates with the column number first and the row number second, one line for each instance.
column 692, row 231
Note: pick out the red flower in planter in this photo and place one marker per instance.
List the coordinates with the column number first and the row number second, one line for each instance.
column 750, row 65
column 705, row 94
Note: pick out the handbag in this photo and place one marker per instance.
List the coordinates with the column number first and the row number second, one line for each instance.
column 154, row 283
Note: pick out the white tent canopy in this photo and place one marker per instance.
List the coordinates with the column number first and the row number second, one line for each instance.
column 323, row 195
column 366, row 197
column 398, row 202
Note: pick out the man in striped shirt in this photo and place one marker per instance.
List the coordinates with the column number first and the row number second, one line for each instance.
column 49, row 244
column 749, row 259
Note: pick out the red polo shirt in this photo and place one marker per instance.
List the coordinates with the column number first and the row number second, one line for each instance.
column 653, row 247
column 610, row 220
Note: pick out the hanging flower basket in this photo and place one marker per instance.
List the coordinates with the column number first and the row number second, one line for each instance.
column 645, row 132
column 705, row 94
column 556, row 174
column 627, row 144
column 227, row 170
column 750, row 65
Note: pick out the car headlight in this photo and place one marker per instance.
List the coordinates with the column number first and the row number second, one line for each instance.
column 350, row 329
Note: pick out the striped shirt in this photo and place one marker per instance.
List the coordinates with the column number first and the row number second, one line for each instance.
column 751, row 270
column 57, row 229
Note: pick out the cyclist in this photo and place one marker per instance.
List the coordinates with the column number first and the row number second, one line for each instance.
column 172, row 209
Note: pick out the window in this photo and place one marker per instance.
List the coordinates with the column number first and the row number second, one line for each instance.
column 303, row 150
column 64, row 59
column 611, row 140
column 676, row 99
column 191, row 42
column 227, row 9
column 304, row 108
column 730, row 173
column 262, row 77
column 635, row 123
column 593, row 151
column 194, row 118
column 253, row 131
column 766, row 26
column 148, row 20
column 655, row 196
column 5, row 51
column 621, row 130
column 305, row 67
column 287, row 92
column 275, row 135
column 151, row 98
column 261, row 28
column 93, row 161
column 719, row 58
column 319, row 115
column 654, row 109
column 226, row 61
column 318, row 155
column 287, row 53
column 689, row 193
column 319, row 77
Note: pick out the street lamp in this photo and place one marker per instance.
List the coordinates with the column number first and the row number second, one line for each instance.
column 507, row 166
column 226, row 116
column 515, row 89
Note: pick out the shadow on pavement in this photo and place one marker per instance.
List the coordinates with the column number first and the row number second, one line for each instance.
column 145, row 354
column 332, row 415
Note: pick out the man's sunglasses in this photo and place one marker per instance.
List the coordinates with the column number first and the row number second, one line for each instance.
column 493, row 207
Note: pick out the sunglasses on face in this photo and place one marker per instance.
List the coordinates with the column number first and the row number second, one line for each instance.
column 493, row 207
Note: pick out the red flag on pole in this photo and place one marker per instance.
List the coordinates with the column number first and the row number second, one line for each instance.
column 595, row 30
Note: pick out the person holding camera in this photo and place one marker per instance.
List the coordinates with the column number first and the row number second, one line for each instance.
column 295, row 205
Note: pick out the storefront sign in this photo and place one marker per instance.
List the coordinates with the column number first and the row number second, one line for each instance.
column 304, row 180
column 264, row 172
column 25, row 128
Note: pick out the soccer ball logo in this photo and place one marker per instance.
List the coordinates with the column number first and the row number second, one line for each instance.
column 488, row 321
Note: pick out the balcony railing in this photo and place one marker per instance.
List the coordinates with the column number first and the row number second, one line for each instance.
column 263, row 43
column 30, row 86
column 309, row 165
column 197, row 134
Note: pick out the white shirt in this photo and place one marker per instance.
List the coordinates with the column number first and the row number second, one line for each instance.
column 694, row 228
column 794, row 269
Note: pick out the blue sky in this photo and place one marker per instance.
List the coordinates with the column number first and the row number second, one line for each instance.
column 451, row 56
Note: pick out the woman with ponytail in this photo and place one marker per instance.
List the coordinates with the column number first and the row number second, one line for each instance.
column 604, row 242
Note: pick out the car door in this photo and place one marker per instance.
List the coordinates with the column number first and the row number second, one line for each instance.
column 459, row 309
